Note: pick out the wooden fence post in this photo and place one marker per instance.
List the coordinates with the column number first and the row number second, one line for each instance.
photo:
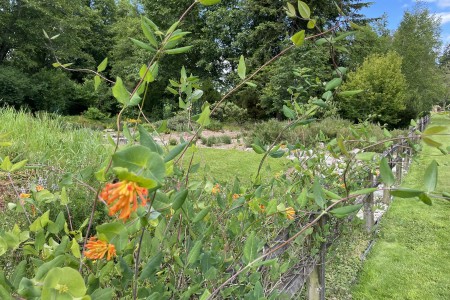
column 322, row 262
column 313, row 285
column 368, row 207
column 316, row 280
column 399, row 161
column 386, row 197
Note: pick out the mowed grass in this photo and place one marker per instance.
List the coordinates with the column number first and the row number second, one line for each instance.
column 411, row 257
column 224, row 165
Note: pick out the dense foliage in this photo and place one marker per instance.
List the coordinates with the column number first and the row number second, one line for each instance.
column 155, row 232
column 383, row 90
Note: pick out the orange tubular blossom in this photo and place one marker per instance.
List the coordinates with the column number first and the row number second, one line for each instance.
column 290, row 213
column 119, row 196
column 96, row 249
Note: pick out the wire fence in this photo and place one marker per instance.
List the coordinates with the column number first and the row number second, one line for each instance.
column 311, row 269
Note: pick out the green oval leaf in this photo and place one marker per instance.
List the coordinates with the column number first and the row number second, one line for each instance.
column 387, row 177
column 175, row 151
column 143, row 45
column 431, row 143
column 109, row 231
column 364, row 191
column 102, row 66
column 290, row 10
column 298, row 38
column 148, row 32
column 178, row 50
column 434, row 130
column 204, row 119
column 179, row 199
column 194, row 254
column 277, row 154
column 145, row 74
column 304, row 10
column 147, row 140
column 209, row 2
column 319, row 195
column 365, row 156
column 425, row 199
column 406, row 193
column 97, row 82
column 311, row 24
column 344, row 211
column 198, row 217
column 258, row 149
column 332, row 84
column 289, row 113
column 141, row 160
column 120, row 92
column 250, row 248
column 242, row 69
column 152, row 266
column 430, row 177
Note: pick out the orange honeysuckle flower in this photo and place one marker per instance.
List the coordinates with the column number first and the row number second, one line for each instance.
column 121, row 195
column 236, row 196
column 290, row 213
column 39, row 188
column 96, row 249
column 262, row 207
column 216, row 189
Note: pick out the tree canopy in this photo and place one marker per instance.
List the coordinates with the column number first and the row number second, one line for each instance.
column 83, row 33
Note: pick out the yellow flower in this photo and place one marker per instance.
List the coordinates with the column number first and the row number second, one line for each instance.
column 216, row 189
column 96, row 249
column 121, row 195
column 23, row 195
column 39, row 188
column 290, row 213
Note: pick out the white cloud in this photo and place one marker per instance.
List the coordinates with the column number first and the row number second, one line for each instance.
column 444, row 16
column 439, row 3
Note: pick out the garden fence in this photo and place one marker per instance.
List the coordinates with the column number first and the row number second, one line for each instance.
column 311, row 269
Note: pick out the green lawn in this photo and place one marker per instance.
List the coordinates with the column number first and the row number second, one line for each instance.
column 411, row 257
column 224, row 165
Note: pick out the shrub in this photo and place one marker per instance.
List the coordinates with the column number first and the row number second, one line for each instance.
column 226, row 139
column 230, row 112
column 384, row 90
column 173, row 142
column 178, row 123
column 94, row 113
column 211, row 141
column 268, row 131
column 215, row 125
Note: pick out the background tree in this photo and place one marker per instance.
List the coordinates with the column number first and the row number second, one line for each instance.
column 417, row 40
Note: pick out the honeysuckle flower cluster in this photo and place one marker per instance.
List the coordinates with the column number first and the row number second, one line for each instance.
column 123, row 197
column 290, row 213
column 97, row 249
column 216, row 189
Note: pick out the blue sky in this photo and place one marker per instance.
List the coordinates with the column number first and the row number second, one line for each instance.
column 395, row 9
